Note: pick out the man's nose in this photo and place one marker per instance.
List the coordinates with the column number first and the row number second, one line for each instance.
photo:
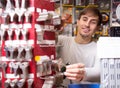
column 88, row 23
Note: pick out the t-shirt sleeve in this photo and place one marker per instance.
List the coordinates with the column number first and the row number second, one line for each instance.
column 93, row 73
column 61, row 39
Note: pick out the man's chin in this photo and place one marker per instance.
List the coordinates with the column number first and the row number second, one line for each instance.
column 84, row 35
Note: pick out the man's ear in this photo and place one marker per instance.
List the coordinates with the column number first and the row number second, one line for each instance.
column 97, row 28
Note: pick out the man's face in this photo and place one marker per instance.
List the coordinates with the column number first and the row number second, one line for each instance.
column 87, row 25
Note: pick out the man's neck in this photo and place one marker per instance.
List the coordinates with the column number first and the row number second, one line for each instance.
column 82, row 40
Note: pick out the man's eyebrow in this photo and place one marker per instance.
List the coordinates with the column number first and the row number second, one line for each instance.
column 84, row 17
column 94, row 19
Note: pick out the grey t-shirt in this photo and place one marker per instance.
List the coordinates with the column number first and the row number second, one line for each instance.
column 72, row 52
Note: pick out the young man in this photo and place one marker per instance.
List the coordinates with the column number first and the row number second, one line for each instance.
column 80, row 51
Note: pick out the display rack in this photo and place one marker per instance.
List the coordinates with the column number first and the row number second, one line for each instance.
column 28, row 43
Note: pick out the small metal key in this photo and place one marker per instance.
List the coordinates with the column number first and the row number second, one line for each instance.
column 17, row 32
column 30, row 82
column 21, row 83
column 20, row 50
column 4, row 67
column 24, row 33
column 24, row 67
column 28, row 50
column 11, row 50
column 10, row 32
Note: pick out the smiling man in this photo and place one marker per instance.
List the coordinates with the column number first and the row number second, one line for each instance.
column 80, row 51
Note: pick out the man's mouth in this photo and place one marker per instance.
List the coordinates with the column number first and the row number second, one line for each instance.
column 86, row 30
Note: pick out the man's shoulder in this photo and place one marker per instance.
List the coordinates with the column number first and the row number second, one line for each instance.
column 65, row 37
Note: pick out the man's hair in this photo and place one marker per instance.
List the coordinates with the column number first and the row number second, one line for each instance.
column 93, row 10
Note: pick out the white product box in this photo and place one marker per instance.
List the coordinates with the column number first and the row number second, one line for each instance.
column 104, row 73
column 117, row 72
column 108, row 51
column 111, row 73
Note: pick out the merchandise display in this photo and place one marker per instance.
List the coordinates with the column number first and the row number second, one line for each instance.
column 115, row 31
column 28, row 41
column 115, row 20
column 28, row 44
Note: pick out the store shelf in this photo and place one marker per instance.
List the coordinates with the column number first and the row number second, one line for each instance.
column 66, row 5
column 106, row 11
column 78, row 6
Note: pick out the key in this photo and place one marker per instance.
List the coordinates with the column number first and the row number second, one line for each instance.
column 13, row 83
column 44, row 68
column 15, row 67
column 10, row 32
column 12, row 14
column 4, row 67
column 7, row 83
column 2, row 33
column 20, row 50
column 8, row 6
column 10, row 10
column 27, row 15
column 24, row 67
column 6, row 51
column 20, row 10
column 21, row 83
column 24, row 33
column 11, row 66
column 11, row 50
column 40, row 69
column 30, row 82
column 17, row 32
column 28, row 50
column 48, row 67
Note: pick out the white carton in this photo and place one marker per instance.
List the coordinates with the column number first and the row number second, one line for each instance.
column 108, row 51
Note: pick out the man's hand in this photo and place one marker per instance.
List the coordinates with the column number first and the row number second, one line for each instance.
column 75, row 72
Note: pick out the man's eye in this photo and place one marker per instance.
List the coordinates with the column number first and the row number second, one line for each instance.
column 94, row 22
column 84, row 19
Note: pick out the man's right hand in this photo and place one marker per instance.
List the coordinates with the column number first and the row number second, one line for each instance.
column 75, row 71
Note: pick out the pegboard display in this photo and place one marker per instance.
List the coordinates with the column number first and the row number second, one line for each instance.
column 28, row 43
